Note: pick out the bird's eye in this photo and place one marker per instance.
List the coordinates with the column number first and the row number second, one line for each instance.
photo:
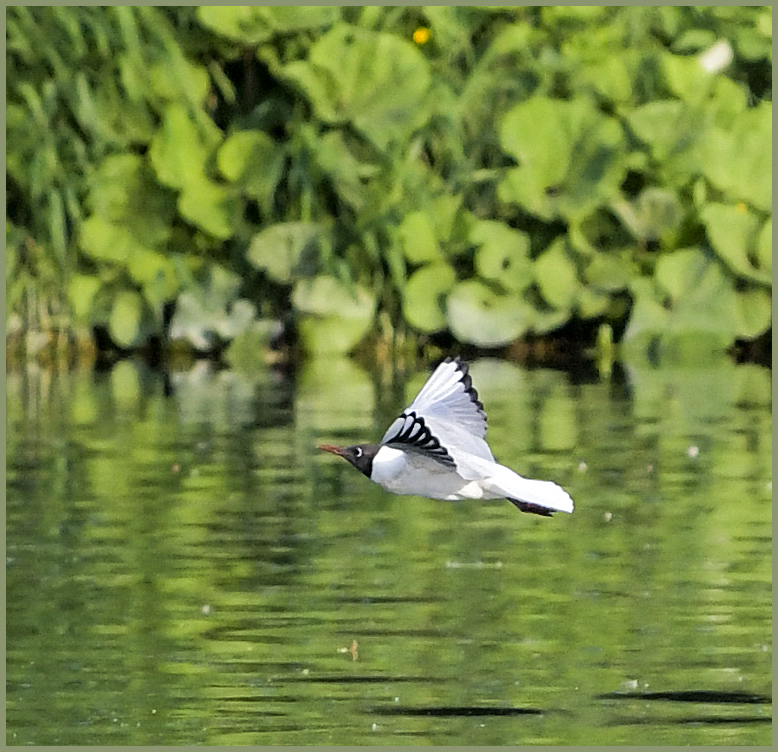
column 358, row 452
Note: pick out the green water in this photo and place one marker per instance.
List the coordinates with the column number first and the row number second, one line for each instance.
column 184, row 567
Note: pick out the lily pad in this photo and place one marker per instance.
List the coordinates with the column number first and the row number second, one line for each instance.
column 81, row 292
column 209, row 206
column 424, row 297
column 648, row 319
column 654, row 212
column 102, row 240
column 571, row 156
column 556, row 275
column 738, row 161
column 419, row 241
column 188, row 78
column 333, row 316
column 503, row 255
column 755, row 309
column 690, row 311
column 254, row 161
column 124, row 191
column 211, row 308
column 609, row 271
column 285, row 250
column 661, row 124
column 376, row 81
column 156, row 274
column 592, row 303
column 252, row 24
column 347, row 172
column 478, row 315
column 732, row 232
column 181, row 147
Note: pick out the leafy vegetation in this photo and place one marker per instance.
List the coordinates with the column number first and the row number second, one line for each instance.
column 487, row 172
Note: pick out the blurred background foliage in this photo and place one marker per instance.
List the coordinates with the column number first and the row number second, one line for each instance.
column 235, row 177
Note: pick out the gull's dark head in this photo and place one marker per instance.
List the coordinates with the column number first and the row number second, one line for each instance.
column 360, row 455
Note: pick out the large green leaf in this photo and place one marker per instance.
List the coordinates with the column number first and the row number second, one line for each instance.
column 691, row 309
column 654, row 212
column 251, row 24
column 156, row 273
column 170, row 78
column 181, row 148
column 377, row 82
column 105, row 241
column 571, row 156
column 738, row 161
column 612, row 76
column 660, row 124
column 348, row 174
column 673, row 132
column 755, row 309
column 419, row 241
column 424, row 296
column 733, row 233
column 333, row 317
column 648, row 318
column 503, row 254
column 591, row 303
column 609, row 271
column 210, row 206
column 326, row 296
column 556, row 275
column 247, row 157
column 286, row 250
column 543, row 154
column 255, row 163
column 690, row 276
column 210, row 307
column 478, row 315
column 123, row 191
column 689, row 79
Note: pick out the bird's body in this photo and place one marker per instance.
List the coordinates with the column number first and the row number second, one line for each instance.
column 436, row 448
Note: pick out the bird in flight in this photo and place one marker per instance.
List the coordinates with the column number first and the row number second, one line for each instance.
column 436, row 448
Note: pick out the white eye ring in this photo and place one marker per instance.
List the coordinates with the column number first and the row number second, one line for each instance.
column 358, row 452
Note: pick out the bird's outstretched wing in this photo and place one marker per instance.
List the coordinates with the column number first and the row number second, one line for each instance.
column 449, row 395
column 410, row 431
column 445, row 417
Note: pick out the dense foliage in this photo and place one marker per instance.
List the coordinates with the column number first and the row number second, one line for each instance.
column 212, row 173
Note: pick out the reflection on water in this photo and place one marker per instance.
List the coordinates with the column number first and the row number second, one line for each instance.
column 188, row 569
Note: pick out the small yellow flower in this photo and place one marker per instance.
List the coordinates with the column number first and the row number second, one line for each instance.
column 421, row 35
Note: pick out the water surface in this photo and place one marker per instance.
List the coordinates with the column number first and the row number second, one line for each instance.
column 183, row 566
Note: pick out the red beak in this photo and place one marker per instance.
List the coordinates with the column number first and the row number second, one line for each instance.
column 333, row 449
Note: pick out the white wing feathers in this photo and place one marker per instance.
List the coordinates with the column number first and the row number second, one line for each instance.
column 447, row 406
column 449, row 396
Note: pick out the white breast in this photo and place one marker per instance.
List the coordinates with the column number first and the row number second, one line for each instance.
column 387, row 465
column 412, row 473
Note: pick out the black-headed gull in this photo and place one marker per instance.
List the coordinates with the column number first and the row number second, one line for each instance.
column 436, row 448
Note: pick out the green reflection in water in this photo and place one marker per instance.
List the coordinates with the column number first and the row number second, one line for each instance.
column 189, row 569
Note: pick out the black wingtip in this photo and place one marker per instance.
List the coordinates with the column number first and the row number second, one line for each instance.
column 464, row 367
column 466, row 380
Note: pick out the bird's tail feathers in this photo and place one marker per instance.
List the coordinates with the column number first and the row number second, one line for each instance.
column 538, row 496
